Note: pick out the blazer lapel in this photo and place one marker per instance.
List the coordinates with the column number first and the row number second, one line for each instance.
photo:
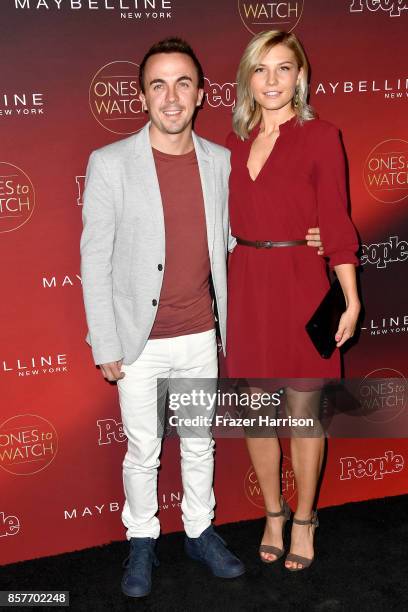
column 145, row 169
column 206, row 168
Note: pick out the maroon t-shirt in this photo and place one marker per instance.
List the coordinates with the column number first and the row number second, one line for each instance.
column 185, row 302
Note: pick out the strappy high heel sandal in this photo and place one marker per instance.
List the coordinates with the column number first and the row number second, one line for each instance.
column 305, row 561
column 274, row 550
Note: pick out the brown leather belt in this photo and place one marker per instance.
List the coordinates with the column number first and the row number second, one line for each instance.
column 269, row 244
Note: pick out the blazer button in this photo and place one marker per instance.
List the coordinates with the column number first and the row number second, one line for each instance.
column 160, row 267
column 154, row 302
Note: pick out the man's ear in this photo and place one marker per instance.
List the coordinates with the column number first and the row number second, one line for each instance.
column 200, row 97
column 142, row 99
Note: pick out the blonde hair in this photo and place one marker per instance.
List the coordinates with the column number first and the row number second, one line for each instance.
column 247, row 112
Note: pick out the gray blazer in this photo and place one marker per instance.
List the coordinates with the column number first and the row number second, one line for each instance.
column 123, row 242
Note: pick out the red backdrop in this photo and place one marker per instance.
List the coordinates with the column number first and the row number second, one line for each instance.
column 69, row 85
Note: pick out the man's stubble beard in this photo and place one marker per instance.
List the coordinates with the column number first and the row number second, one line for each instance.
column 176, row 129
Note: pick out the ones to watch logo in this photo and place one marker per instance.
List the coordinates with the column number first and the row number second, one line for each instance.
column 394, row 8
column 252, row 487
column 17, row 197
column 383, row 395
column 386, row 171
column 114, row 98
column 260, row 16
column 28, row 444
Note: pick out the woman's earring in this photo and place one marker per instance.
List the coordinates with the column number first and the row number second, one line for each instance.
column 296, row 97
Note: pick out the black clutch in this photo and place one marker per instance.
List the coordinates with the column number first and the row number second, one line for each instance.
column 324, row 323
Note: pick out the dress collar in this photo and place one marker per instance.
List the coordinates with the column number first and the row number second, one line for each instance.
column 289, row 123
column 284, row 127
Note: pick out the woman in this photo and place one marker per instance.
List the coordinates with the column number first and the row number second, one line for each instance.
column 287, row 175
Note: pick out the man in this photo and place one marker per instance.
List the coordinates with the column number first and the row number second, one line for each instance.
column 155, row 231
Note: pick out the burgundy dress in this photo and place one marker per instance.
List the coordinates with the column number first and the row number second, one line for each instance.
column 272, row 293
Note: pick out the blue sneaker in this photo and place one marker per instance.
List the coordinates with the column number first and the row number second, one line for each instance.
column 210, row 549
column 137, row 580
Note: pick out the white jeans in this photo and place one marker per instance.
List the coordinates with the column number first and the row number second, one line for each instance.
column 190, row 356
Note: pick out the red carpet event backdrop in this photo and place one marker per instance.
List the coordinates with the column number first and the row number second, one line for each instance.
column 69, row 85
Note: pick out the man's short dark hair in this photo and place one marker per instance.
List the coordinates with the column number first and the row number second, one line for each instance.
column 171, row 45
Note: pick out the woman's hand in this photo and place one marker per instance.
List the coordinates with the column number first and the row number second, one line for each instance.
column 347, row 324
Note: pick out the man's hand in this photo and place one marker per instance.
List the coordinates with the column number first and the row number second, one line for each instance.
column 111, row 371
column 313, row 239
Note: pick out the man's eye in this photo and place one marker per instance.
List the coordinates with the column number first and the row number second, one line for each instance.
column 184, row 83
column 157, row 86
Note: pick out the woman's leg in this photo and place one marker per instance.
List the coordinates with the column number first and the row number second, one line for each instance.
column 307, row 450
column 265, row 455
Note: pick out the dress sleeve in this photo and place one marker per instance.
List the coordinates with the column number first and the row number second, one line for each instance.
column 337, row 232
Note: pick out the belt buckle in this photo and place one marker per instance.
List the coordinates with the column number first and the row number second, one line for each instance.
column 268, row 244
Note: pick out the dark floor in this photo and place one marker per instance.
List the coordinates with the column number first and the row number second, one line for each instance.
column 361, row 564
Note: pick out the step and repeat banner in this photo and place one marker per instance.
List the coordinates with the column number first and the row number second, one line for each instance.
column 69, row 84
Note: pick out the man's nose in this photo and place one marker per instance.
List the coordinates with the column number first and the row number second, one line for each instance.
column 172, row 93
